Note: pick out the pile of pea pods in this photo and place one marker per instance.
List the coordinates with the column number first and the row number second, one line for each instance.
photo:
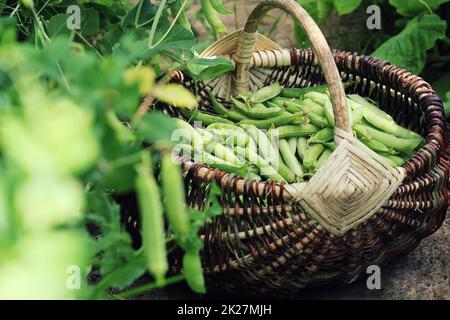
column 286, row 134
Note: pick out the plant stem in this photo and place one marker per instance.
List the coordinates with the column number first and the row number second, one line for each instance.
column 151, row 286
column 145, row 22
column 426, row 5
column 89, row 44
column 138, row 13
column 15, row 10
column 156, row 22
column 171, row 25
column 40, row 26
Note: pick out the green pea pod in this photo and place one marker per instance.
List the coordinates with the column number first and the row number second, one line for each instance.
column 290, row 107
column 219, row 7
column 296, row 93
column 251, row 145
column 317, row 120
column 293, row 145
column 182, row 19
column 290, row 131
column 187, row 150
column 400, row 144
column 311, row 156
column 235, row 115
column 375, row 145
column 302, row 147
column 193, row 271
column 237, row 138
column 328, row 107
column 395, row 161
column 309, row 106
column 264, row 113
column 245, row 96
column 266, row 93
column 217, row 106
column 240, row 106
column 29, row 4
column 223, row 152
column 355, row 112
column 212, row 17
column 153, row 234
column 174, row 197
column 283, row 119
column 253, row 176
column 290, row 159
column 222, row 110
column 266, row 148
column 286, row 172
column 259, row 111
column 381, row 120
column 210, row 160
column 205, row 118
column 273, row 104
column 388, row 126
column 317, row 97
column 365, row 103
column 265, row 168
column 293, row 107
column 225, row 126
column 324, row 135
column 323, row 157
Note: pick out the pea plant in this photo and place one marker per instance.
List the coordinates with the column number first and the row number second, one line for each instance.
column 73, row 137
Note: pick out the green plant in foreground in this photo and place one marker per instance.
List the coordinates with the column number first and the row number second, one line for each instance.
column 72, row 137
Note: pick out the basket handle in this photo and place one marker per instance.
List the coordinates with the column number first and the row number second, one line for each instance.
column 320, row 46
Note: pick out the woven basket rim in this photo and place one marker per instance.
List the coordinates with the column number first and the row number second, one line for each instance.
column 420, row 87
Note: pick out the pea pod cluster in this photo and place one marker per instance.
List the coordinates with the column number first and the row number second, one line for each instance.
column 153, row 205
column 286, row 134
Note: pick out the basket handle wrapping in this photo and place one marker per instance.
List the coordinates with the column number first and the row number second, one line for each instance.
column 320, row 46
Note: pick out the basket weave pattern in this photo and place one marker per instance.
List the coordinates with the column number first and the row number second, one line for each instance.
column 264, row 240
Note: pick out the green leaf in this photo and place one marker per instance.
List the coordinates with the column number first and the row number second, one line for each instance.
column 447, row 104
column 141, row 14
column 319, row 10
column 411, row 8
column 2, row 5
column 346, row 6
column 442, row 85
column 178, row 38
column 120, row 278
column 90, row 23
column 8, row 33
column 206, row 69
column 57, row 25
column 442, row 88
column 175, row 95
column 155, row 126
column 408, row 49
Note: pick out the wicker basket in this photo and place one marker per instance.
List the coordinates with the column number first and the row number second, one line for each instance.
column 357, row 210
